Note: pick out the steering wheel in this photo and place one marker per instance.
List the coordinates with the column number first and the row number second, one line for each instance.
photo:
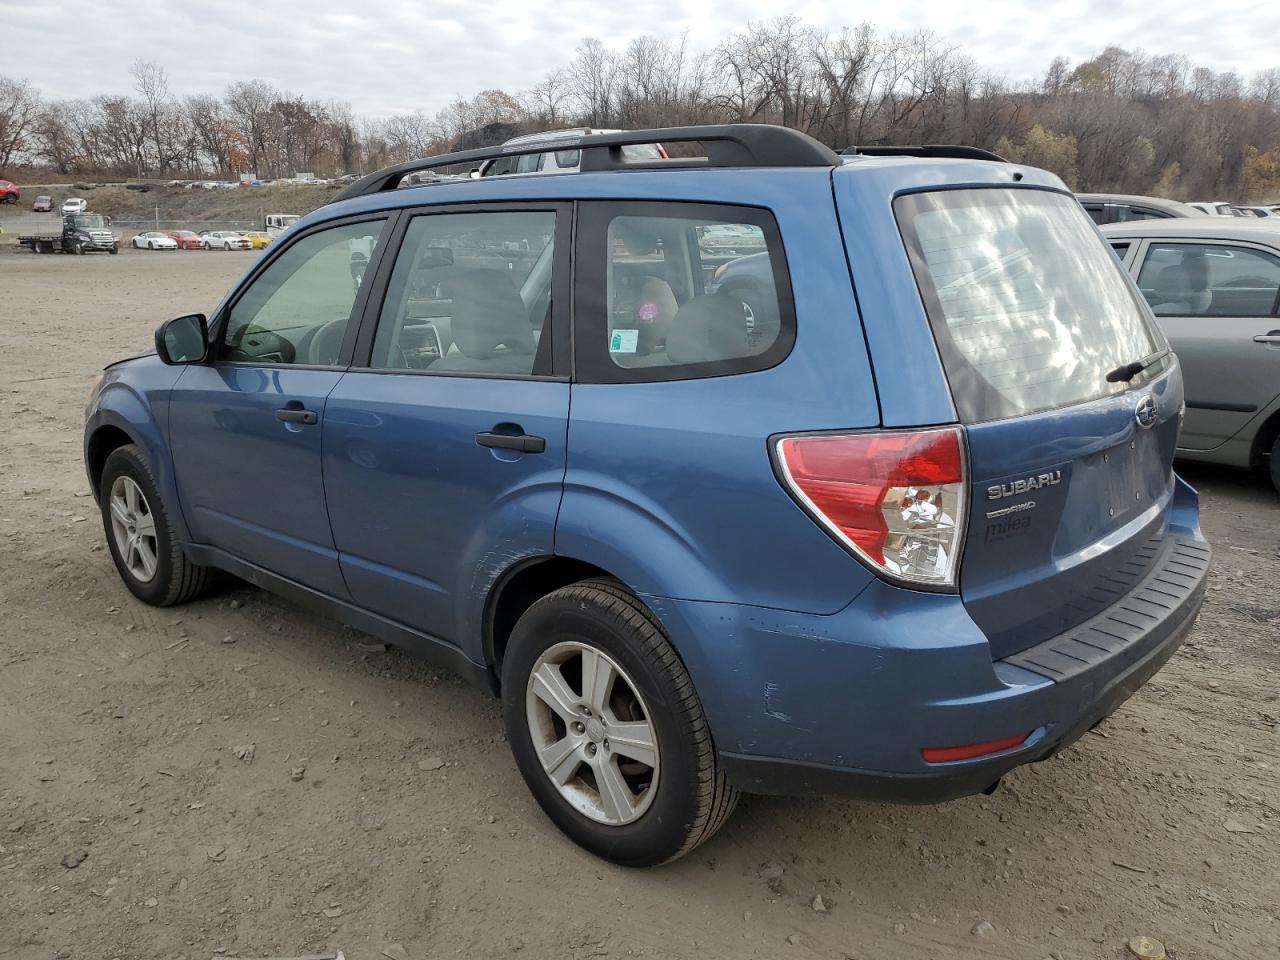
column 256, row 343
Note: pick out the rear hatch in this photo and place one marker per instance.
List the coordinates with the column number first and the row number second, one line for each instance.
column 1070, row 472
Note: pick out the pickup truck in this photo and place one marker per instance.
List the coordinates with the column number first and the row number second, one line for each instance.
column 81, row 233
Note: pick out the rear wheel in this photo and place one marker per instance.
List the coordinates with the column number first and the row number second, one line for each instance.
column 607, row 729
column 148, row 557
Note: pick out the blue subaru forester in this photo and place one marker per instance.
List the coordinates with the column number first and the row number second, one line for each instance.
column 767, row 469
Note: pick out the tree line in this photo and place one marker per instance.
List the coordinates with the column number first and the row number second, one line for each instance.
column 1123, row 121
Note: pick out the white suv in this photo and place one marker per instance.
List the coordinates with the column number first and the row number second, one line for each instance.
column 558, row 161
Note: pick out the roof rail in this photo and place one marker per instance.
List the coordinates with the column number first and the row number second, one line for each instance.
column 947, row 151
column 726, row 145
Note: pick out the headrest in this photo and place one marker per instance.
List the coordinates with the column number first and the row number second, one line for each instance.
column 708, row 328
column 1171, row 285
column 487, row 313
column 656, row 307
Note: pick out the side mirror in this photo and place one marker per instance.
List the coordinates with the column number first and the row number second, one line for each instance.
column 475, row 173
column 183, row 339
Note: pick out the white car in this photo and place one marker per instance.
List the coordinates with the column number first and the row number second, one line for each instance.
column 74, row 205
column 1215, row 208
column 154, row 241
column 562, row 155
column 225, row 240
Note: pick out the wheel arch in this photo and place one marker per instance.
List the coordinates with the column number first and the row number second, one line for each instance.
column 519, row 588
column 104, row 440
column 1264, row 440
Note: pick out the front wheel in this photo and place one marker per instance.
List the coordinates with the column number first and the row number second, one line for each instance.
column 79, row 248
column 147, row 556
column 113, row 250
column 607, row 729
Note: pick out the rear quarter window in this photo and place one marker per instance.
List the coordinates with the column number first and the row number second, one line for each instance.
column 1028, row 308
column 676, row 291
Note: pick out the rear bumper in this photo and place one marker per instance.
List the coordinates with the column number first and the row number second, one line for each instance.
column 952, row 780
column 844, row 704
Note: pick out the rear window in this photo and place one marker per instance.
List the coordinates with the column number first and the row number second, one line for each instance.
column 1029, row 309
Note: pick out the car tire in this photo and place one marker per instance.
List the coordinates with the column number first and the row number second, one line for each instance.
column 152, row 565
column 113, row 249
column 79, row 248
column 670, row 805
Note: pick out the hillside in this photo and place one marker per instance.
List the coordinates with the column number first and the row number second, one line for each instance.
column 177, row 207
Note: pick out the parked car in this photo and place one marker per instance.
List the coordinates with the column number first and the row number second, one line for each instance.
column 224, row 240
column 563, row 160
column 186, row 240
column 1213, row 286
column 74, row 205
column 1259, row 213
column 258, row 239
column 42, row 205
column 1215, row 208
column 891, row 543
column 154, row 240
column 1118, row 208
column 9, row 192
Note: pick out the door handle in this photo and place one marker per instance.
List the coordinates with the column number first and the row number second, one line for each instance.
column 297, row 415
column 505, row 441
column 1272, row 337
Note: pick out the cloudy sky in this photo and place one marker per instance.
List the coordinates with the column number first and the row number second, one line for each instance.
column 386, row 57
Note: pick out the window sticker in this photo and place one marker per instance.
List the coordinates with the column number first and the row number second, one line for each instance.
column 624, row 341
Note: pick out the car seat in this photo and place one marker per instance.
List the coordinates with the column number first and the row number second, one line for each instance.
column 490, row 323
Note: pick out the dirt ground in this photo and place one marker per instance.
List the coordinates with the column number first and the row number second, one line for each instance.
column 120, row 727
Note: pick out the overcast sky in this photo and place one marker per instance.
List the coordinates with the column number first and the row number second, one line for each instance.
column 385, row 57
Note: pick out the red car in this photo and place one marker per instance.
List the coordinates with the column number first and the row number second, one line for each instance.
column 186, row 239
column 9, row 192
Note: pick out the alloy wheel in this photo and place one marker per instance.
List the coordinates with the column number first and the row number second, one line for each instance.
column 592, row 733
column 134, row 529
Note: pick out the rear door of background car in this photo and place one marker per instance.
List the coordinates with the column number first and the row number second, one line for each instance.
column 1217, row 302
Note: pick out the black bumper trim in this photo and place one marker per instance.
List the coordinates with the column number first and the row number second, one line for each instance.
column 1172, row 586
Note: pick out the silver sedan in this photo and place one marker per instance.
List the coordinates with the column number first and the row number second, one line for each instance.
column 1213, row 284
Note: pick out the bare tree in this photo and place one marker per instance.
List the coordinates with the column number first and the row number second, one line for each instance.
column 19, row 117
column 593, row 73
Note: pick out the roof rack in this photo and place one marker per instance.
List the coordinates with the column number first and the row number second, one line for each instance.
column 726, row 145
column 933, row 151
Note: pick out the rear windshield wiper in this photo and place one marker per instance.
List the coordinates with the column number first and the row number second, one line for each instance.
column 1127, row 371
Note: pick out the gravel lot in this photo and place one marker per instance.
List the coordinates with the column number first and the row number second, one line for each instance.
column 120, row 724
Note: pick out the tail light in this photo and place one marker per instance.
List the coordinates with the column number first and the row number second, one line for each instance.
column 896, row 500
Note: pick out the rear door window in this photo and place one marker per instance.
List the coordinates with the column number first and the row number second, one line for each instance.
column 1029, row 310
column 1210, row 280
column 471, row 294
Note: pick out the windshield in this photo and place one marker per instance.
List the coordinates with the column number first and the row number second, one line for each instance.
column 90, row 220
column 1028, row 306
